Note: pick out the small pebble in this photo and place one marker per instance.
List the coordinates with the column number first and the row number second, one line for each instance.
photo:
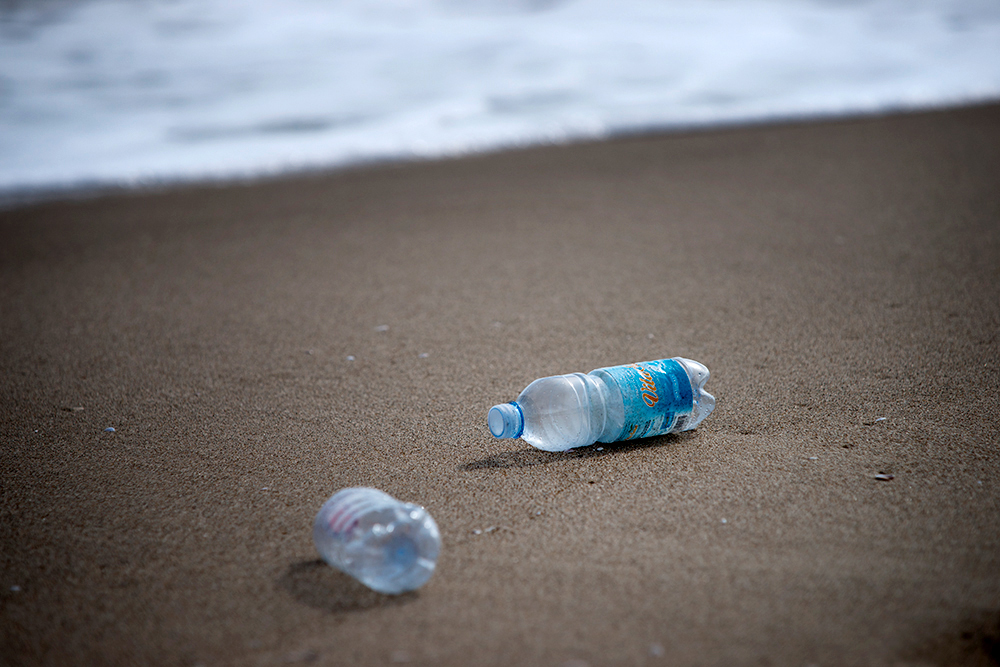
column 423, row 355
column 814, row 458
column 879, row 419
column 350, row 357
column 650, row 336
column 382, row 327
column 656, row 650
column 477, row 532
column 110, row 429
column 15, row 589
column 600, row 449
column 724, row 521
column 883, row 477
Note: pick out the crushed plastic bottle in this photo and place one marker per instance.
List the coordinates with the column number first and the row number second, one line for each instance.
column 388, row 545
column 607, row 405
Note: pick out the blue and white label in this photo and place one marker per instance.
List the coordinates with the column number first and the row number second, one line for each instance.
column 655, row 393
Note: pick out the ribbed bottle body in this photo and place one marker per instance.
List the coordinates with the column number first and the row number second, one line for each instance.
column 388, row 545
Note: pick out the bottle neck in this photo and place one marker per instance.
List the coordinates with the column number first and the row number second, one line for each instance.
column 506, row 420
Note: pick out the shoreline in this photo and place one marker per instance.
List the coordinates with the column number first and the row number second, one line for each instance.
column 12, row 198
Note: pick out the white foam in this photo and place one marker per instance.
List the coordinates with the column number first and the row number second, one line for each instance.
column 111, row 92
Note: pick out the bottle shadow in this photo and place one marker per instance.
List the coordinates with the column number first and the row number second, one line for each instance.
column 320, row 586
column 526, row 458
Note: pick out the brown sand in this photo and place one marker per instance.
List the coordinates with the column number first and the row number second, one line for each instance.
column 829, row 274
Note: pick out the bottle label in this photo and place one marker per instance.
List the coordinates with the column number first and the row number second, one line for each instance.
column 655, row 393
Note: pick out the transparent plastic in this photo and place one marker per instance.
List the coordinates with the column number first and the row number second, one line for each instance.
column 388, row 545
column 565, row 411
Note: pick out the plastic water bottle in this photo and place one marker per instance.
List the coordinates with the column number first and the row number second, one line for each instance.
column 387, row 545
column 607, row 405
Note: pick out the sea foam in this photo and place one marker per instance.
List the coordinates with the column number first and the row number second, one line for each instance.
column 109, row 92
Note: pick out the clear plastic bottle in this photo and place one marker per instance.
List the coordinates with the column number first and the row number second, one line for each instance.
column 607, row 405
column 388, row 545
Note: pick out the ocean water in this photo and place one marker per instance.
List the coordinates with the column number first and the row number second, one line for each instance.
column 133, row 92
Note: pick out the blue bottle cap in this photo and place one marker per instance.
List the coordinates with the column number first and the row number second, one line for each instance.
column 506, row 420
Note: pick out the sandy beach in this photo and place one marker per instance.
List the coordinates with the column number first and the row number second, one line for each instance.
column 256, row 347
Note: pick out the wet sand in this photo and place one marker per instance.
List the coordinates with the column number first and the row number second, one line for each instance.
column 840, row 279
